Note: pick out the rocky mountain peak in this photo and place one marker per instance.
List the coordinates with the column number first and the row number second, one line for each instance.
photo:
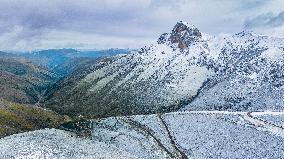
column 186, row 70
column 182, row 26
column 183, row 34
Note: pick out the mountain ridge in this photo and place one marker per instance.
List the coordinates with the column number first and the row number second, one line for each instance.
column 168, row 75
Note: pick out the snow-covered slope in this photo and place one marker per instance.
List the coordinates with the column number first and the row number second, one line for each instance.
column 185, row 69
column 249, row 75
column 203, row 134
column 56, row 144
column 196, row 134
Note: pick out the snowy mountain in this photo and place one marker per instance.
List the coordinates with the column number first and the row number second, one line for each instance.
column 248, row 75
column 186, row 69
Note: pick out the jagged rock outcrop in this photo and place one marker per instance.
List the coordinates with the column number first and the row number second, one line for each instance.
column 182, row 34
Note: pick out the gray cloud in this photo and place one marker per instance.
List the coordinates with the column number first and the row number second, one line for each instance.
column 266, row 20
column 34, row 24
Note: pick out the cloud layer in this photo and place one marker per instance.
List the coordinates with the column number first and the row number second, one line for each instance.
column 33, row 24
column 268, row 23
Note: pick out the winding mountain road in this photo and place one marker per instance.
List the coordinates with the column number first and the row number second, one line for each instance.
column 264, row 124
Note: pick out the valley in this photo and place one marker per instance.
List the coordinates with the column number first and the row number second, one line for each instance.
column 24, row 80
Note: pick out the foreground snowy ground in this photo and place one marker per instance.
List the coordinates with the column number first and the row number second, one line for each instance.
column 55, row 144
column 204, row 134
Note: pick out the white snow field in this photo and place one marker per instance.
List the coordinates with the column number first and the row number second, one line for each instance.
column 198, row 134
column 188, row 134
column 56, row 144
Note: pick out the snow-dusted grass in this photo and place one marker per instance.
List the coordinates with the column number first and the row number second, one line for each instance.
column 198, row 134
column 55, row 144
column 128, row 137
column 215, row 135
column 195, row 134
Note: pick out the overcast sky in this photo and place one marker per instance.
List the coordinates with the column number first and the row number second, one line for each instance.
column 87, row 24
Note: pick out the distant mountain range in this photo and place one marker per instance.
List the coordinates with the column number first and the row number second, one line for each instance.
column 186, row 69
column 55, row 57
